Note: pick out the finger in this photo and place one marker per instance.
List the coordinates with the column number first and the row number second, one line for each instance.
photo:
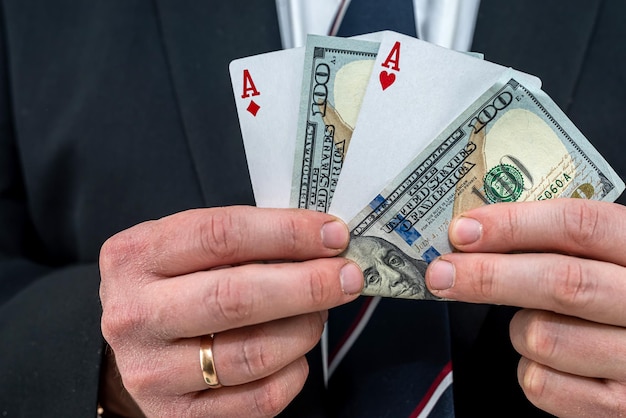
column 573, row 286
column 263, row 398
column 206, row 238
column 211, row 302
column 586, row 228
column 570, row 345
column 240, row 356
column 248, row 354
column 566, row 395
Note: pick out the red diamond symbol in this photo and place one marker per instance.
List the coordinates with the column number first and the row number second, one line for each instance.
column 253, row 108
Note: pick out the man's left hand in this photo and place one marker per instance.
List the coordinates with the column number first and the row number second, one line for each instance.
column 564, row 261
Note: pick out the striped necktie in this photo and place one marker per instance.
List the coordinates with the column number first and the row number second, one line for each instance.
column 364, row 16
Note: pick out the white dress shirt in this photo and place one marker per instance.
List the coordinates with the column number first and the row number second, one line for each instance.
column 449, row 23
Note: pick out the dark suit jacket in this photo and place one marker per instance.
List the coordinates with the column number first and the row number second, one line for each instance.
column 115, row 112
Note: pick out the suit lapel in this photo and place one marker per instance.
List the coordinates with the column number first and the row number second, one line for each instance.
column 200, row 39
column 546, row 38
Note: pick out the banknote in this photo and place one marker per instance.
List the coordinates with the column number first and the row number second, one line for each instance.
column 512, row 144
column 335, row 74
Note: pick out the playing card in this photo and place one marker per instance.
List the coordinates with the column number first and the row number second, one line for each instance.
column 266, row 89
column 267, row 93
column 415, row 91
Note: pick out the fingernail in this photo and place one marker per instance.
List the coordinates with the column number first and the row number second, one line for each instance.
column 440, row 275
column 465, row 231
column 335, row 235
column 351, row 279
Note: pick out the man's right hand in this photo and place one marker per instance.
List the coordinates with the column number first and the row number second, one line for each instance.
column 167, row 283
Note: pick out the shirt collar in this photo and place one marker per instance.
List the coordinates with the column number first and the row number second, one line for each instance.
column 449, row 23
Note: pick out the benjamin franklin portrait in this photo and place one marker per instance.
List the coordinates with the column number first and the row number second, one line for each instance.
column 387, row 270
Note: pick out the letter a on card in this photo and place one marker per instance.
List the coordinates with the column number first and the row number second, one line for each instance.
column 249, row 90
column 392, row 62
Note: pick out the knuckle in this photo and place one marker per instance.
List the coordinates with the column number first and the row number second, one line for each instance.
column 272, row 399
column 290, row 234
column 122, row 321
column 120, row 250
column 139, row 374
column 509, row 231
column 485, row 286
column 582, row 223
column 540, row 338
column 220, row 235
column 228, row 302
column 317, row 291
column 256, row 360
column 136, row 382
column 142, row 384
column 572, row 288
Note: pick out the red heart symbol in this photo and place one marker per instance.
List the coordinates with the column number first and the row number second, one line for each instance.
column 386, row 79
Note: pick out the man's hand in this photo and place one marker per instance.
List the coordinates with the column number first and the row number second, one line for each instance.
column 563, row 260
column 168, row 282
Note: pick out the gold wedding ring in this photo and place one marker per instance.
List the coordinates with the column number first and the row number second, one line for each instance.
column 206, row 362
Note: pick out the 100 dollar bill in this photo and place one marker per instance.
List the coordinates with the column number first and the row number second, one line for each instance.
column 335, row 75
column 512, row 144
